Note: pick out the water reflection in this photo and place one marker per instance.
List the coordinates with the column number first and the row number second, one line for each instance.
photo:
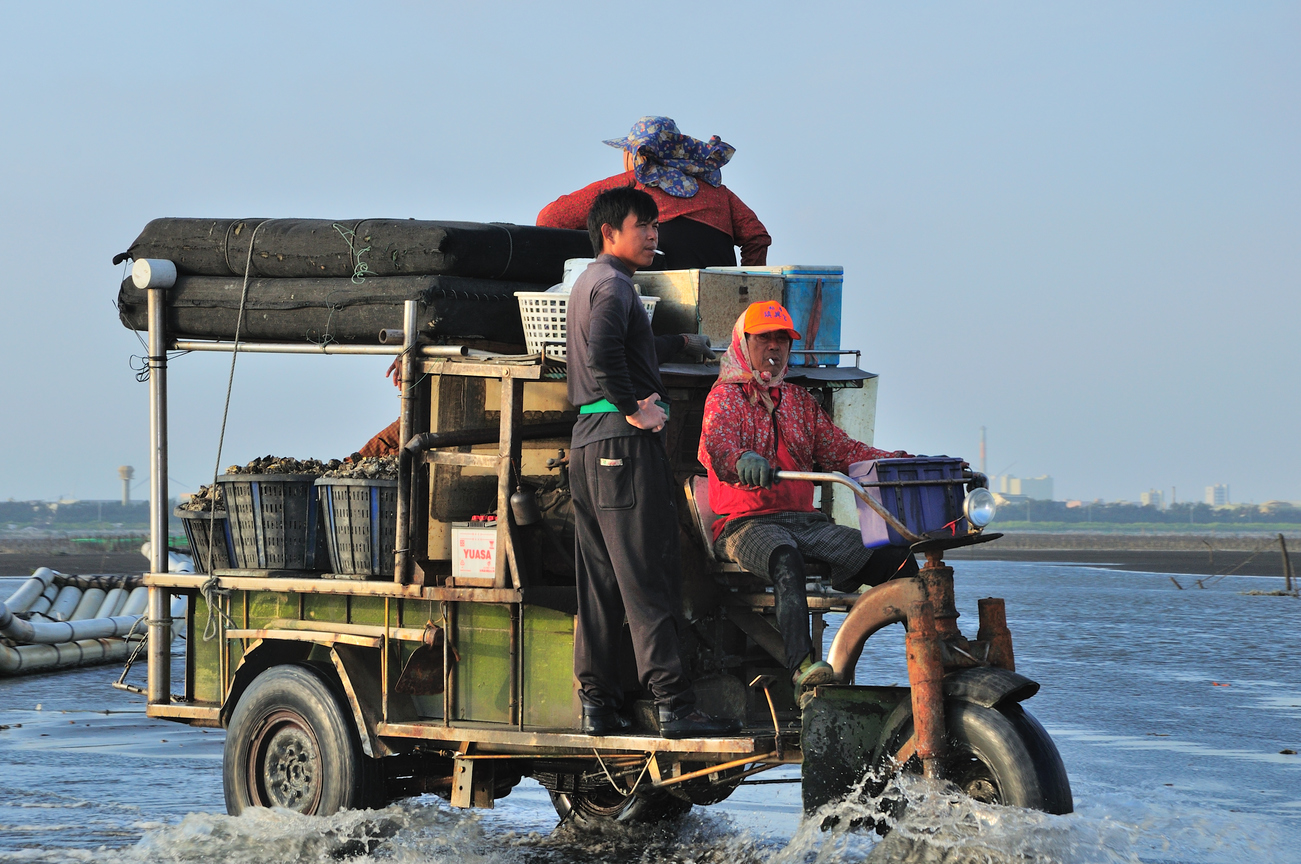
column 1166, row 764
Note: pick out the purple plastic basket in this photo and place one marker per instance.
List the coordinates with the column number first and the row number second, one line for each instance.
column 922, row 508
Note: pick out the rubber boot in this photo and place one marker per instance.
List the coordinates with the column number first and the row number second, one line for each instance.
column 886, row 563
column 786, row 572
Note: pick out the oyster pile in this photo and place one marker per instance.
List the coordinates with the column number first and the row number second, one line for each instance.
column 285, row 465
column 367, row 468
column 205, row 500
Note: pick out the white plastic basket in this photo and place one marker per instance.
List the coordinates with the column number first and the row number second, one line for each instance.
column 543, row 313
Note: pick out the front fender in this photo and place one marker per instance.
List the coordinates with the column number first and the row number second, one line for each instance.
column 988, row 686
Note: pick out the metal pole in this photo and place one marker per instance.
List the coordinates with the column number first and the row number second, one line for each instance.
column 402, row 552
column 433, row 351
column 159, row 620
column 926, row 677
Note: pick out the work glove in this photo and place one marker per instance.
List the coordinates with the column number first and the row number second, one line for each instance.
column 697, row 347
column 754, row 470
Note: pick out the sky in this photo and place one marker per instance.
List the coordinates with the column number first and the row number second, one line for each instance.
column 1074, row 224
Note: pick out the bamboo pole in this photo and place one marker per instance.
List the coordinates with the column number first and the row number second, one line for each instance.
column 1287, row 563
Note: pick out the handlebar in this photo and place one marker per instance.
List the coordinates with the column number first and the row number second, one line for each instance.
column 857, row 489
column 971, row 479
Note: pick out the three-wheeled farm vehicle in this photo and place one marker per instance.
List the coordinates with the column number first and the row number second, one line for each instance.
column 441, row 660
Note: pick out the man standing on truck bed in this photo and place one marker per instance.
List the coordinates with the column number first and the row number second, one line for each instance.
column 755, row 425
column 701, row 220
column 626, row 523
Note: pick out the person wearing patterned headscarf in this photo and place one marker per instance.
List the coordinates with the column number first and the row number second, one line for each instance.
column 701, row 220
column 755, row 425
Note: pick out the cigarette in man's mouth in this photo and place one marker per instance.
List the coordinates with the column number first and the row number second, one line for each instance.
column 772, row 362
column 659, row 251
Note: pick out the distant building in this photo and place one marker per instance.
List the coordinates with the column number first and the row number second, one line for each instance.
column 1039, row 488
column 1217, row 495
column 1152, row 498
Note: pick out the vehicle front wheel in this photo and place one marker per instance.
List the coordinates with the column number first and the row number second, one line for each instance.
column 1000, row 757
column 291, row 744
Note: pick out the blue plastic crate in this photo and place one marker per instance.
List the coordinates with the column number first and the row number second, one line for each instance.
column 921, row 508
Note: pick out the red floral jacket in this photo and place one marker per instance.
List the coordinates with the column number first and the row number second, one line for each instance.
column 733, row 425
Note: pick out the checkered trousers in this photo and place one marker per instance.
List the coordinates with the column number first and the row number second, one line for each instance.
column 750, row 541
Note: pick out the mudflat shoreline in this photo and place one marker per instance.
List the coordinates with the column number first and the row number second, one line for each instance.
column 23, row 563
column 1195, row 555
column 1210, row 555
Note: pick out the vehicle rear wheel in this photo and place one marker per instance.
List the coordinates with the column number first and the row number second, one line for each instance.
column 1000, row 757
column 710, row 789
column 291, row 744
column 588, row 809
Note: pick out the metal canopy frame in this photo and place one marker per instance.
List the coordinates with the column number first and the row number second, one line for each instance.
column 508, row 580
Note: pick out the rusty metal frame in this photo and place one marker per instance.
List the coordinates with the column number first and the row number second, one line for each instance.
column 307, row 636
column 265, row 580
column 925, row 604
column 502, row 738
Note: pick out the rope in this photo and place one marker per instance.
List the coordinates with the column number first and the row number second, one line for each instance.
column 225, row 411
column 213, row 593
column 327, row 337
column 635, row 784
column 139, row 363
column 1201, row 583
column 359, row 267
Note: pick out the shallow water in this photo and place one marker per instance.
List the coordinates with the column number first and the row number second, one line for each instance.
column 1169, row 707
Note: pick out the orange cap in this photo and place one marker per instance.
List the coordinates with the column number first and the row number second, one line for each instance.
column 768, row 316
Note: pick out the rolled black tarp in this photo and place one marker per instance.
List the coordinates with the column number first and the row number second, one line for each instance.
column 334, row 310
column 359, row 249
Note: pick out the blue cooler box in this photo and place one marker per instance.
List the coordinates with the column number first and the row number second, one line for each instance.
column 811, row 293
column 812, row 296
column 921, row 508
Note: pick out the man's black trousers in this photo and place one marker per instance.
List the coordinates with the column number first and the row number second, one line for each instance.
column 626, row 528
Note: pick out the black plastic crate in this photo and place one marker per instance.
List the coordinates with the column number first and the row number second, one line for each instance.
column 199, row 526
column 273, row 521
column 360, row 524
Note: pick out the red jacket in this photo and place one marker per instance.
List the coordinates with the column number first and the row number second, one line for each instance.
column 716, row 207
column 798, row 428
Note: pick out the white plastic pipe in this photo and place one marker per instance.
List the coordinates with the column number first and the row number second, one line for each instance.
column 65, row 604
column 88, row 606
column 112, row 600
column 31, row 590
column 135, row 602
column 42, row 604
column 35, row 658
column 153, row 273
column 54, row 632
column 176, row 561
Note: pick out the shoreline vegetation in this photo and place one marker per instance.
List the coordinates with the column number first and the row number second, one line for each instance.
column 1230, row 550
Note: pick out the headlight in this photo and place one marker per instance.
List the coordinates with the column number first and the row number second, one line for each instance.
column 979, row 507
